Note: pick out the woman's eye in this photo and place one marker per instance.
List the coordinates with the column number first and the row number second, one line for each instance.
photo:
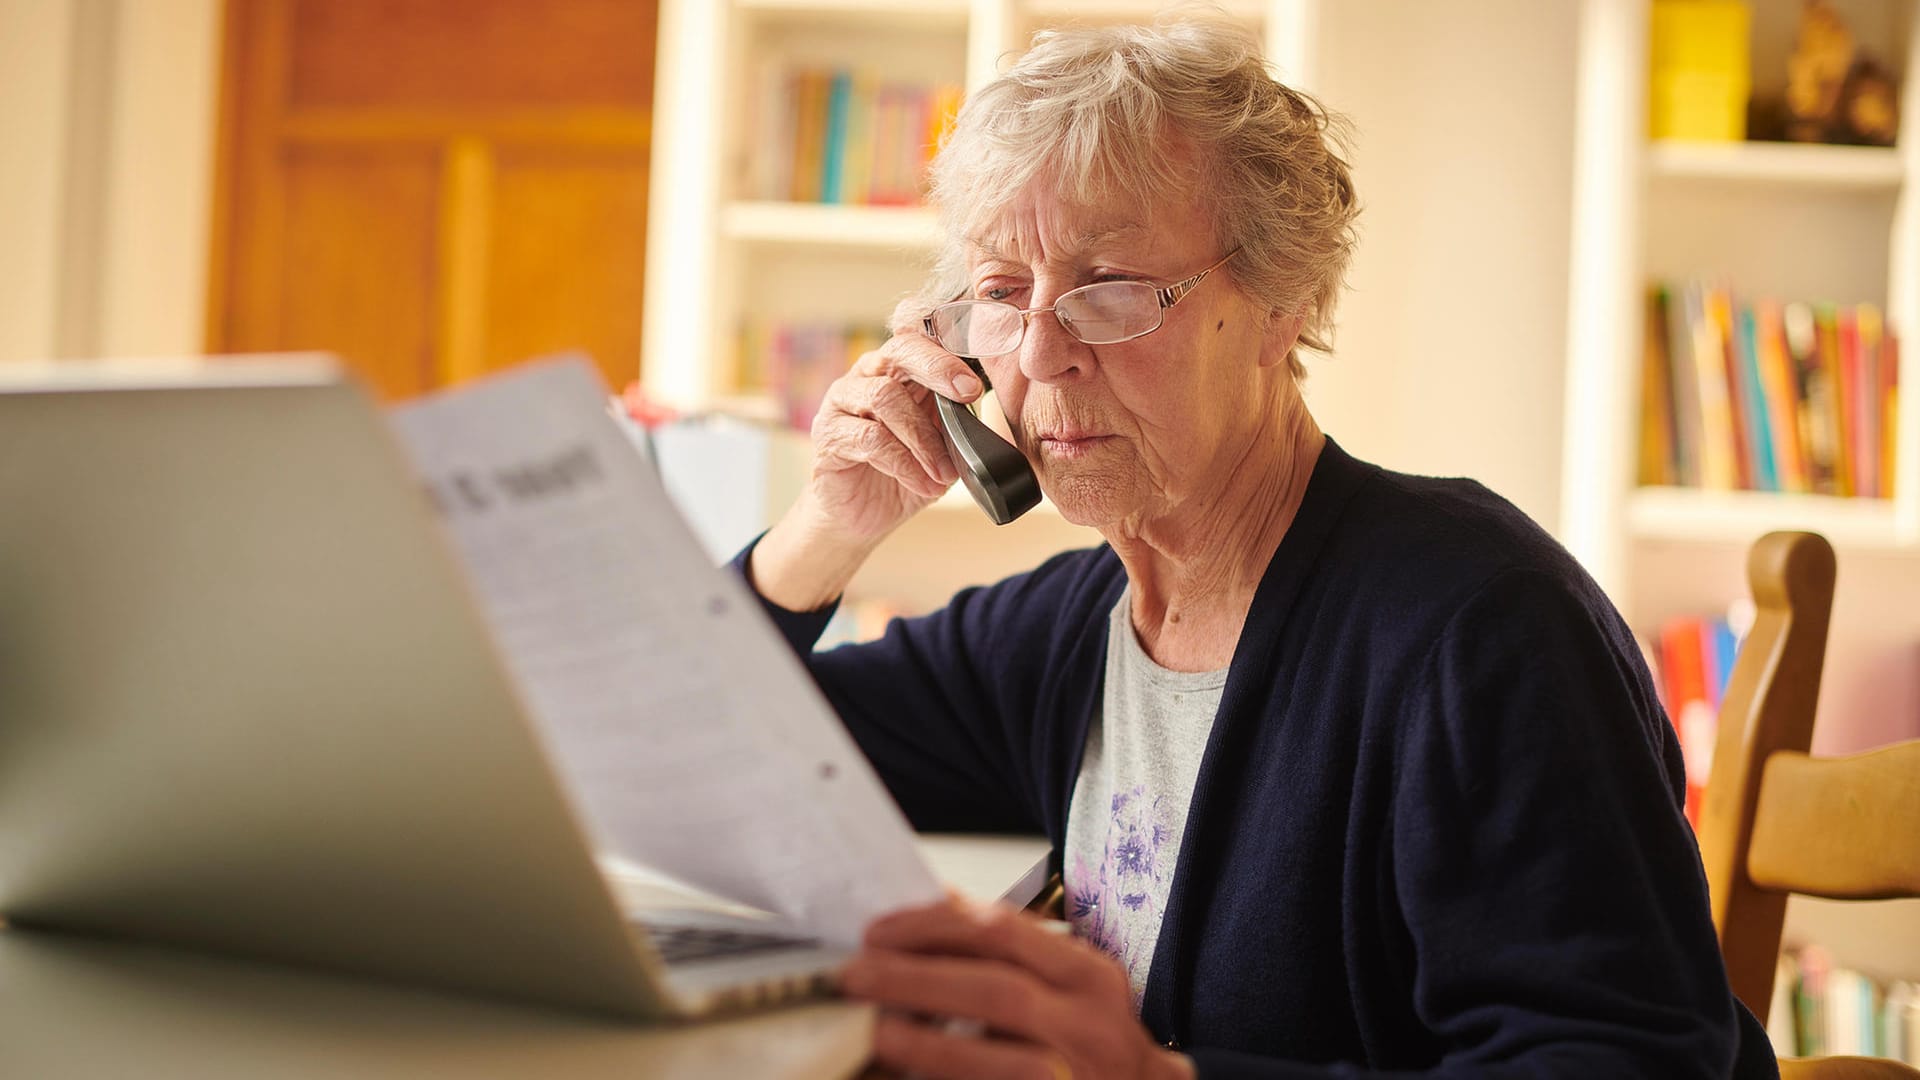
column 1099, row 279
column 998, row 292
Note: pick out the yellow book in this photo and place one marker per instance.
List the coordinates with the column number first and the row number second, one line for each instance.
column 1707, row 311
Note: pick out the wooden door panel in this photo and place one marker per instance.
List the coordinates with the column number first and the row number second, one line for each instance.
column 359, row 272
column 433, row 188
column 567, row 240
column 472, row 53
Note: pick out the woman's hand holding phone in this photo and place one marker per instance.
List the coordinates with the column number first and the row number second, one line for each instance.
column 878, row 459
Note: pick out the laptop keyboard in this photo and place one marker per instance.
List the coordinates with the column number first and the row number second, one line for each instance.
column 680, row 944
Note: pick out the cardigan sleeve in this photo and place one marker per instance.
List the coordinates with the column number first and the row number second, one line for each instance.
column 1549, row 887
column 944, row 705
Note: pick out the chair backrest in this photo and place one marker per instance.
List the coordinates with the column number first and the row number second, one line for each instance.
column 1777, row 821
column 1767, row 709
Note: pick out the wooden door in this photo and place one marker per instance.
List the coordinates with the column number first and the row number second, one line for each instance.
column 433, row 189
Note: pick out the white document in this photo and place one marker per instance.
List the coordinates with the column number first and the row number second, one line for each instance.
column 688, row 733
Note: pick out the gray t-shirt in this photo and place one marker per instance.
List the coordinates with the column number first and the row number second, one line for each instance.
column 1130, row 802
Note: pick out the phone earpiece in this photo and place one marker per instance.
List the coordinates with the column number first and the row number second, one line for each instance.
column 995, row 471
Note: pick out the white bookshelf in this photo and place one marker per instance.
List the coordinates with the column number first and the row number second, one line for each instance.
column 714, row 256
column 1797, row 221
column 881, row 228
column 949, row 13
column 1862, row 168
column 1673, row 513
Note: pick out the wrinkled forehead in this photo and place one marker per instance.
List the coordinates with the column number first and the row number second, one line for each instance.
column 1044, row 224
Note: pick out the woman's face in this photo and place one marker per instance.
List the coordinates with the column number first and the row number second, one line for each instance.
column 1123, row 434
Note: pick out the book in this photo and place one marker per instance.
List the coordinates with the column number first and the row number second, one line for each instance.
column 1813, row 405
column 1689, row 707
column 811, row 92
column 856, row 184
column 1780, row 392
column 1719, row 439
column 1865, row 431
column 833, row 151
column 1760, row 395
column 1826, row 321
column 1757, row 423
column 1658, row 453
column 1889, row 413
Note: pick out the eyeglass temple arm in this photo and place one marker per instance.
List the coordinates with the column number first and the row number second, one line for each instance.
column 1171, row 294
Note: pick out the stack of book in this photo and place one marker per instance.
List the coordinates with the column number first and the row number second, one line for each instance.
column 1820, row 1009
column 1760, row 395
column 795, row 362
column 1692, row 661
column 843, row 136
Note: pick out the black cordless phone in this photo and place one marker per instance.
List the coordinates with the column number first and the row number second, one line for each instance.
column 993, row 469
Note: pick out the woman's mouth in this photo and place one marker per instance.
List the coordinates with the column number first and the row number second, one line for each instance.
column 1069, row 445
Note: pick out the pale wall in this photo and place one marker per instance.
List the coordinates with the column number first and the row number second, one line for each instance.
column 34, row 46
column 107, row 115
column 1452, row 342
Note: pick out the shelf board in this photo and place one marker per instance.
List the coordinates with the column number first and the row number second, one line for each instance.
column 1805, row 165
column 951, row 13
column 881, row 227
column 1669, row 513
column 1046, row 10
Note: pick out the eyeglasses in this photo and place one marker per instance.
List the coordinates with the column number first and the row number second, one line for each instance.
column 1103, row 313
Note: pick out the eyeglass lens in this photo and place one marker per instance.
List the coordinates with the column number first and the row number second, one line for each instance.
column 1099, row 314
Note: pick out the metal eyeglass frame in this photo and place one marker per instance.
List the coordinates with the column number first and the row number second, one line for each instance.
column 1167, row 295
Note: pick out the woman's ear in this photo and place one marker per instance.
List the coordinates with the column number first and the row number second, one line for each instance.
column 1283, row 333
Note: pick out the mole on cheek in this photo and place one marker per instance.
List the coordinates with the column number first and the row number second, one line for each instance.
column 1219, row 326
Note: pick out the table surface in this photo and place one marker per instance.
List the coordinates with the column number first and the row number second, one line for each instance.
column 76, row 1007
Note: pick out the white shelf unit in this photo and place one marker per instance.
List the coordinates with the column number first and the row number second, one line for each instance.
column 1796, row 221
column 1799, row 222
column 713, row 256
column 1865, row 168
column 1672, row 513
column 883, row 228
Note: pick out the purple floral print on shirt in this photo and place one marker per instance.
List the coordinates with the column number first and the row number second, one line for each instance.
column 1116, row 906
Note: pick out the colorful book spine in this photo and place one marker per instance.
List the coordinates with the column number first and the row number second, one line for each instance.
column 841, row 136
column 1719, row 468
column 1687, row 433
column 1758, row 422
column 1740, row 394
column 797, row 362
column 1889, row 413
column 1865, row 431
column 1826, row 321
column 1658, row 453
column 833, row 153
column 1684, row 674
column 1780, row 394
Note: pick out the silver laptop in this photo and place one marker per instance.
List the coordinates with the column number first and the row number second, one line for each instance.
column 247, row 705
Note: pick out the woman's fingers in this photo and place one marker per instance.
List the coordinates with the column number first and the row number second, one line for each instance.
column 921, row 359
column 911, row 421
column 853, row 440
column 1004, row 997
column 998, row 933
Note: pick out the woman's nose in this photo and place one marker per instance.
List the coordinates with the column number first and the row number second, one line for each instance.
column 1048, row 352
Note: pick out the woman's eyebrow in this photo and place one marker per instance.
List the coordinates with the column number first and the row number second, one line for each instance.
column 1085, row 242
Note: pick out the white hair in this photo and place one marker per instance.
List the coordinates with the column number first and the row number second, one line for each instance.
column 1098, row 114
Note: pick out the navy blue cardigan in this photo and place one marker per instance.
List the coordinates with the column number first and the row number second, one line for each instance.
column 1437, row 826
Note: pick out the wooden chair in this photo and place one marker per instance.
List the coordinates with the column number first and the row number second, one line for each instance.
column 1777, row 821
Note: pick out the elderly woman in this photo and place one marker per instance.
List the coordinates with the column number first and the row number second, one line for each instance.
column 1349, row 771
